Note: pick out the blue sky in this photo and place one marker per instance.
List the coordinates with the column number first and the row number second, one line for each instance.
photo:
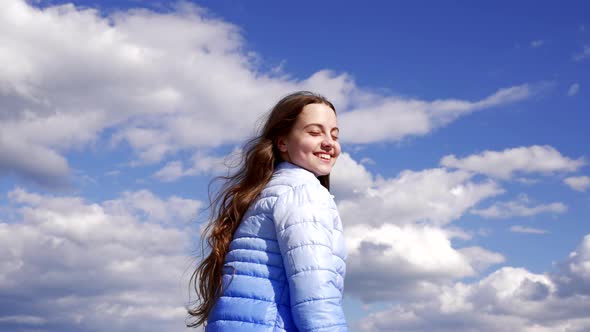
column 463, row 186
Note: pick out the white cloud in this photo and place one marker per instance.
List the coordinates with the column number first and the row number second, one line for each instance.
column 573, row 276
column 573, row 89
column 379, row 118
column 163, row 83
column 435, row 196
column 394, row 226
column 367, row 161
column 519, row 208
column 537, row 43
column 509, row 299
column 35, row 162
column 408, row 261
column 527, row 230
column 82, row 265
column 349, row 178
column 416, row 263
column 172, row 171
column 201, row 164
column 584, row 54
column 480, row 259
column 503, row 164
column 526, row 180
column 152, row 208
column 579, row 183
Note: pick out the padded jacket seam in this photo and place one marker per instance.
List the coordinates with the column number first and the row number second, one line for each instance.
column 315, row 300
column 314, row 269
column 257, row 263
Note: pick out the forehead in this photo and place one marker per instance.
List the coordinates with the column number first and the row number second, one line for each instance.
column 317, row 113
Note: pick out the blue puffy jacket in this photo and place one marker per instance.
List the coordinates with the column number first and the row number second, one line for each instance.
column 285, row 267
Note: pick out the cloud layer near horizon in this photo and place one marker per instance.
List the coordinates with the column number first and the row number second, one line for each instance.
column 509, row 299
column 134, row 249
column 420, row 260
column 67, row 264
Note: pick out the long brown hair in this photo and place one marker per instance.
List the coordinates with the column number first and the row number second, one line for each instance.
column 232, row 200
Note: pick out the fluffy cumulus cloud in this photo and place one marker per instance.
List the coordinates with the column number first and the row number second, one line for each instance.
column 349, row 178
column 407, row 262
column 520, row 207
column 201, row 163
column 392, row 118
column 172, row 211
column 503, row 164
column 402, row 229
column 509, row 299
column 574, row 275
column 70, row 265
column 398, row 226
column 579, row 183
column 160, row 83
column 436, row 196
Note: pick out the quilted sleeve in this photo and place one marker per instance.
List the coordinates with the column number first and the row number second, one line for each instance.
column 304, row 225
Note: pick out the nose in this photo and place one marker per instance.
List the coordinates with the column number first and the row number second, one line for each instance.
column 327, row 143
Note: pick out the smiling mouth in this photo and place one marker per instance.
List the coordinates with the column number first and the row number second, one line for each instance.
column 323, row 156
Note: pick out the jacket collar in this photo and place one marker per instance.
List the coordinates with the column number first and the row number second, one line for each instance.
column 292, row 169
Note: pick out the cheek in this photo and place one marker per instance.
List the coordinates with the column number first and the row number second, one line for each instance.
column 302, row 146
column 310, row 144
column 337, row 149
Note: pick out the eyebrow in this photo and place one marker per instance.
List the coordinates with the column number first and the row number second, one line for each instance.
column 321, row 126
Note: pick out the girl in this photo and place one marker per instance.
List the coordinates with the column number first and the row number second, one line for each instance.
column 277, row 259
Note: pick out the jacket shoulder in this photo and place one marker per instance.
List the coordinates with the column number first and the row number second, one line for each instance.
column 297, row 190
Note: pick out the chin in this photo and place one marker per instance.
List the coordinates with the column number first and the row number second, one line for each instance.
column 321, row 171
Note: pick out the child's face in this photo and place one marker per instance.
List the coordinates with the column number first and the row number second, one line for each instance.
column 312, row 143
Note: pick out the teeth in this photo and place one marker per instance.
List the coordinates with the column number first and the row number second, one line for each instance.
column 324, row 156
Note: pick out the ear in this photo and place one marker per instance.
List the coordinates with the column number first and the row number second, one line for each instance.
column 282, row 144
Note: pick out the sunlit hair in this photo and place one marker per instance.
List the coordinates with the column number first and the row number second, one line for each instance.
column 229, row 204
